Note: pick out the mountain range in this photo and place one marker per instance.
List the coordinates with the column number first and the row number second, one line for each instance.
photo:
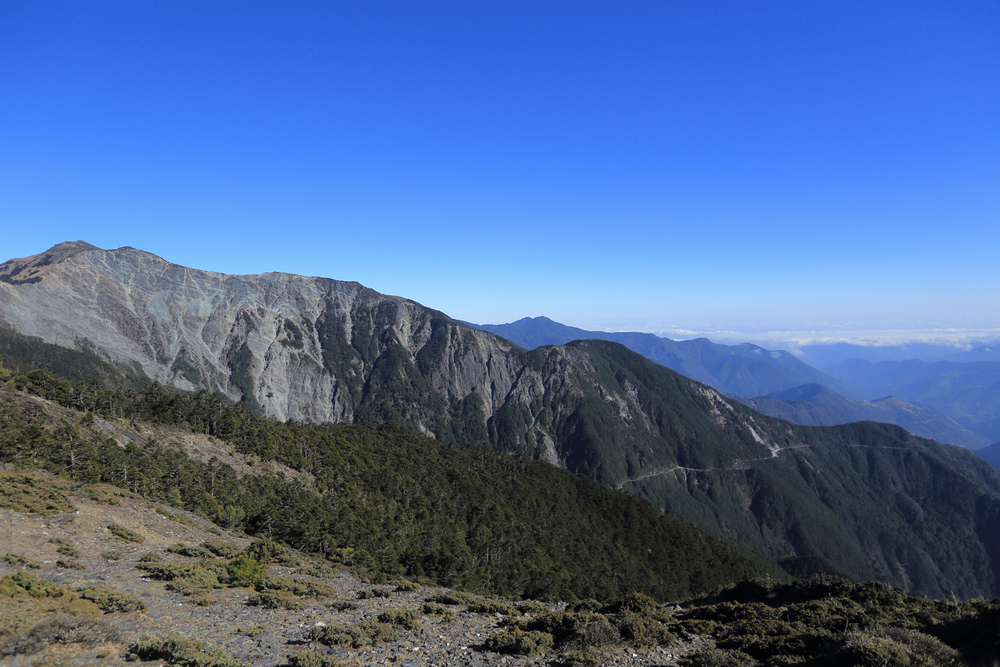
column 815, row 405
column 773, row 382
column 968, row 392
column 741, row 370
column 869, row 499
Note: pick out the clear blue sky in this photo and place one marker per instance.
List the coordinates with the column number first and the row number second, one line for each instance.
column 654, row 165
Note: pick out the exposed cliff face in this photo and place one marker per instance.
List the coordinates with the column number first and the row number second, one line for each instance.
column 292, row 346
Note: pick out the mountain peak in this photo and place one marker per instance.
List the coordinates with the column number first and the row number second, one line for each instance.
column 32, row 269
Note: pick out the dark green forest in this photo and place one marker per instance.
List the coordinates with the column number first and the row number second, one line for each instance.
column 380, row 498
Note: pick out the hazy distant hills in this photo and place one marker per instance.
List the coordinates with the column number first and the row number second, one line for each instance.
column 743, row 370
column 815, row 405
column 775, row 383
column 876, row 501
column 967, row 392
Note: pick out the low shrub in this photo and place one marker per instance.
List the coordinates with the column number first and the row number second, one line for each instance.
column 26, row 584
column 531, row 643
column 107, row 493
column 436, row 610
column 264, row 550
column 274, row 600
column 179, row 518
column 184, row 578
column 408, row 618
column 38, row 493
column 221, row 549
column 320, row 571
column 532, row 608
column 62, row 630
column 301, row 587
column 365, row 633
column 181, row 652
column 110, row 600
column 406, row 586
column 69, row 564
column 245, row 571
column 21, row 561
column 255, row 631
column 190, row 551
column 343, row 605
column 715, row 657
column 111, row 555
column 151, row 557
column 578, row 658
column 372, row 593
column 313, row 659
column 123, row 533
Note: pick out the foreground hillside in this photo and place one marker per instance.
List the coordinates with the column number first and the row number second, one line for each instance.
column 865, row 499
column 92, row 575
column 381, row 498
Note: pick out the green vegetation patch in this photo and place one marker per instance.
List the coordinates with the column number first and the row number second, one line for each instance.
column 34, row 493
column 365, row 633
column 185, row 578
column 107, row 494
column 299, row 587
column 373, row 593
column 521, row 642
column 457, row 598
column 70, row 564
column 436, row 610
column 62, row 630
column 406, row 586
column 313, row 659
column 406, row 618
column 111, row 600
column 180, row 652
column 866, row 623
column 26, row 584
column 264, row 550
column 221, row 549
column 126, row 534
column 493, row 607
column 274, row 599
column 635, row 621
column 190, row 551
column 245, row 571
column 21, row 561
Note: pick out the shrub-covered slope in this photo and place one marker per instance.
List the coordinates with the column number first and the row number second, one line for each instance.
column 381, row 497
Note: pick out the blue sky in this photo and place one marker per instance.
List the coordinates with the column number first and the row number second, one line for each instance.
column 665, row 166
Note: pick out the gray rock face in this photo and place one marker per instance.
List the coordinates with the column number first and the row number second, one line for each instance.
column 298, row 347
